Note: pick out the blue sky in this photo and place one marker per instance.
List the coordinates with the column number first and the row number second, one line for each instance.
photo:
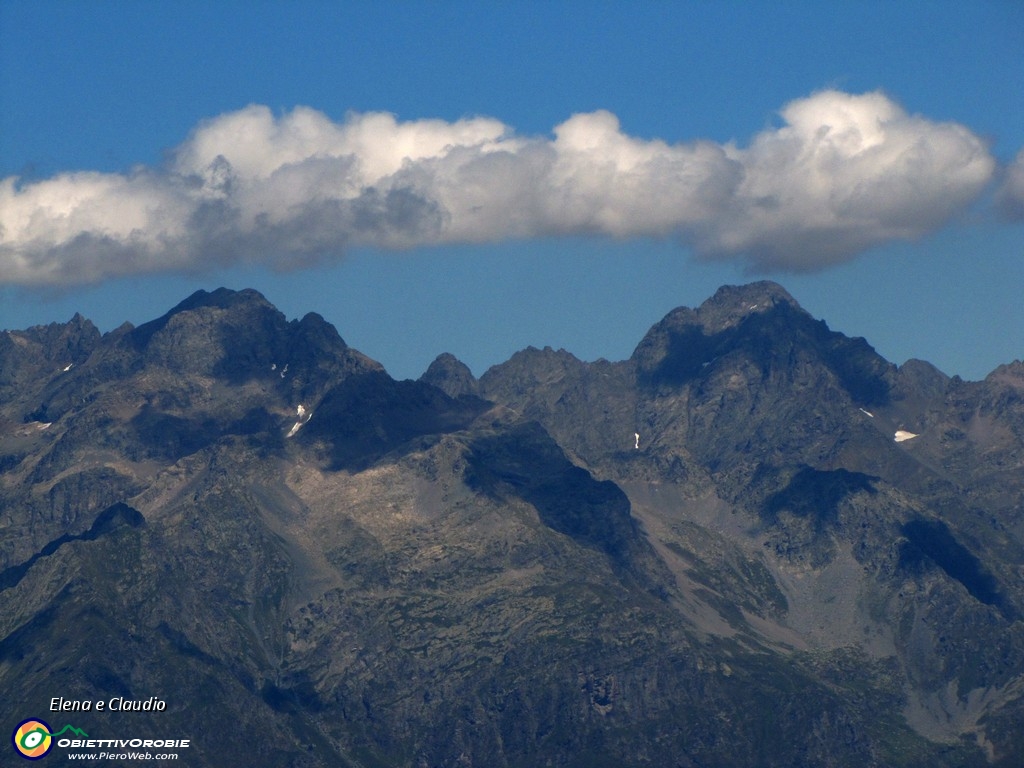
column 611, row 161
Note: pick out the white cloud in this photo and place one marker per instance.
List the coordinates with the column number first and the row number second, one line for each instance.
column 842, row 174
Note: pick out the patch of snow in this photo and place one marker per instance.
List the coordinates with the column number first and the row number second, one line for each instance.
column 636, row 435
column 304, row 417
column 273, row 366
column 868, row 413
column 32, row 426
column 902, row 435
column 67, row 367
column 284, row 370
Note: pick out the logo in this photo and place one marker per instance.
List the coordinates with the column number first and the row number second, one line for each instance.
column 32, row 739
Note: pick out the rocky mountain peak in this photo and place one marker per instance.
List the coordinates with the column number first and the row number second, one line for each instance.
column 314, row 326
column 1010, row 374
column 71, row 341
column 451, row 376
column 43, row 350
column 731, row 304
column 221, row 298
column 312, row 340
column 762, row 328
column 234, row 334
column 920, row 376
column 701, row 332
column 528, row 371
column 548, row 361
column 212, row 306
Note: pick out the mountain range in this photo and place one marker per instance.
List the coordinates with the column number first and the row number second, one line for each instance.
column 755, row 542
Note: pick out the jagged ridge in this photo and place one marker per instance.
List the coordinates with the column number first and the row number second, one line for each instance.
column 713, row 553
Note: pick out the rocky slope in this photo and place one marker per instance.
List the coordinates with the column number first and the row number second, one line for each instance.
column 715, row 553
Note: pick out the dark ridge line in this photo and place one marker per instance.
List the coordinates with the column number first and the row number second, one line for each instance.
column 106, row 522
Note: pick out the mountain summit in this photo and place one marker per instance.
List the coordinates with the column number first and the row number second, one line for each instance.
column 764, row 326
column 753, row 543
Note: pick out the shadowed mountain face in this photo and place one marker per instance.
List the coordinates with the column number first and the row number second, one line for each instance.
column 763, row 327
column 714, row 553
